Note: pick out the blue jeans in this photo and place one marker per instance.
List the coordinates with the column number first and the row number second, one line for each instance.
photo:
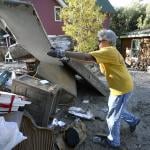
column 117, row 111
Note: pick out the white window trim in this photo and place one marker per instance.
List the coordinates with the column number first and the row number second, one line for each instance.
column 55, row 7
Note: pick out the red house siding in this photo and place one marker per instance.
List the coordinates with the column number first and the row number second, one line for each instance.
column 106, row 22
column 45, row 10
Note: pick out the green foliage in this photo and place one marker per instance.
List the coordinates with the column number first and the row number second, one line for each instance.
column 144, row 21
column 133, row 17
column 82, row 20
column 129, row 18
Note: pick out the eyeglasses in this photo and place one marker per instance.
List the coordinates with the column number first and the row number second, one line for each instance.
column 100, row 41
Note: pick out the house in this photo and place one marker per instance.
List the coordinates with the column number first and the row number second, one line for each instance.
column 48, row 11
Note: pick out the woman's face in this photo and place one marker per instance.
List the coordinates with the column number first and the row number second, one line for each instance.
column 103, row 43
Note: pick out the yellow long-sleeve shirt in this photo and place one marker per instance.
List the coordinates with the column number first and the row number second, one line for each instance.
column 113, row 67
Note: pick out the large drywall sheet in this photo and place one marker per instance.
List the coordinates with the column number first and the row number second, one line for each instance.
column 22, row 20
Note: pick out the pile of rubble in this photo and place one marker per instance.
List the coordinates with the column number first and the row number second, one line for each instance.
column 45, row 82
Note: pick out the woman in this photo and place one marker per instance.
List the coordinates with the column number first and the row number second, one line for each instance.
column 120, row 83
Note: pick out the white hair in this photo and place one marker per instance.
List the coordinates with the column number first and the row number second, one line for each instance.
column 108, row 35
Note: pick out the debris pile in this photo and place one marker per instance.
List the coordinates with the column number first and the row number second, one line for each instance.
column 45, row 82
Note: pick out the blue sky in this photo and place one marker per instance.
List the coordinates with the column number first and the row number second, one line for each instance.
column 120, row 3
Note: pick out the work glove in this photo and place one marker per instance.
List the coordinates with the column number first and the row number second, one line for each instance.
column 56, row 53
column 64, row 59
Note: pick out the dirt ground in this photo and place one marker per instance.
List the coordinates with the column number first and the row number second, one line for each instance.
column 139, row 104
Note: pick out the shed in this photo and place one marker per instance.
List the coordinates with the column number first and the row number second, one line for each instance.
column 132, row 40
column 136, row 45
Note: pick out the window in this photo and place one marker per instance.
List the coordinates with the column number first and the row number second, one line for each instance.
column 135, row 46
column 57, row 10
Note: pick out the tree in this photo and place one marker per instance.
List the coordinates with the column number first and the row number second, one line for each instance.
column 127, row 19
column 82, row 20
column 144, row 21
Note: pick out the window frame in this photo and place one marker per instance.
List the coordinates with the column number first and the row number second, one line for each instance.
column 55, row 13
column 135, row 47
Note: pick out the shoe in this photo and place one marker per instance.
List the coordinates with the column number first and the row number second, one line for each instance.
column 133, row 127
column 103, row 140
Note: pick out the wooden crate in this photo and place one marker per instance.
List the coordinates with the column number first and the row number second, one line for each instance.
column 44, row 98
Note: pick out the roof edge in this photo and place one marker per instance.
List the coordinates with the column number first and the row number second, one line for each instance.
column 62, row 3
column 137, row 33
column 132, row 36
